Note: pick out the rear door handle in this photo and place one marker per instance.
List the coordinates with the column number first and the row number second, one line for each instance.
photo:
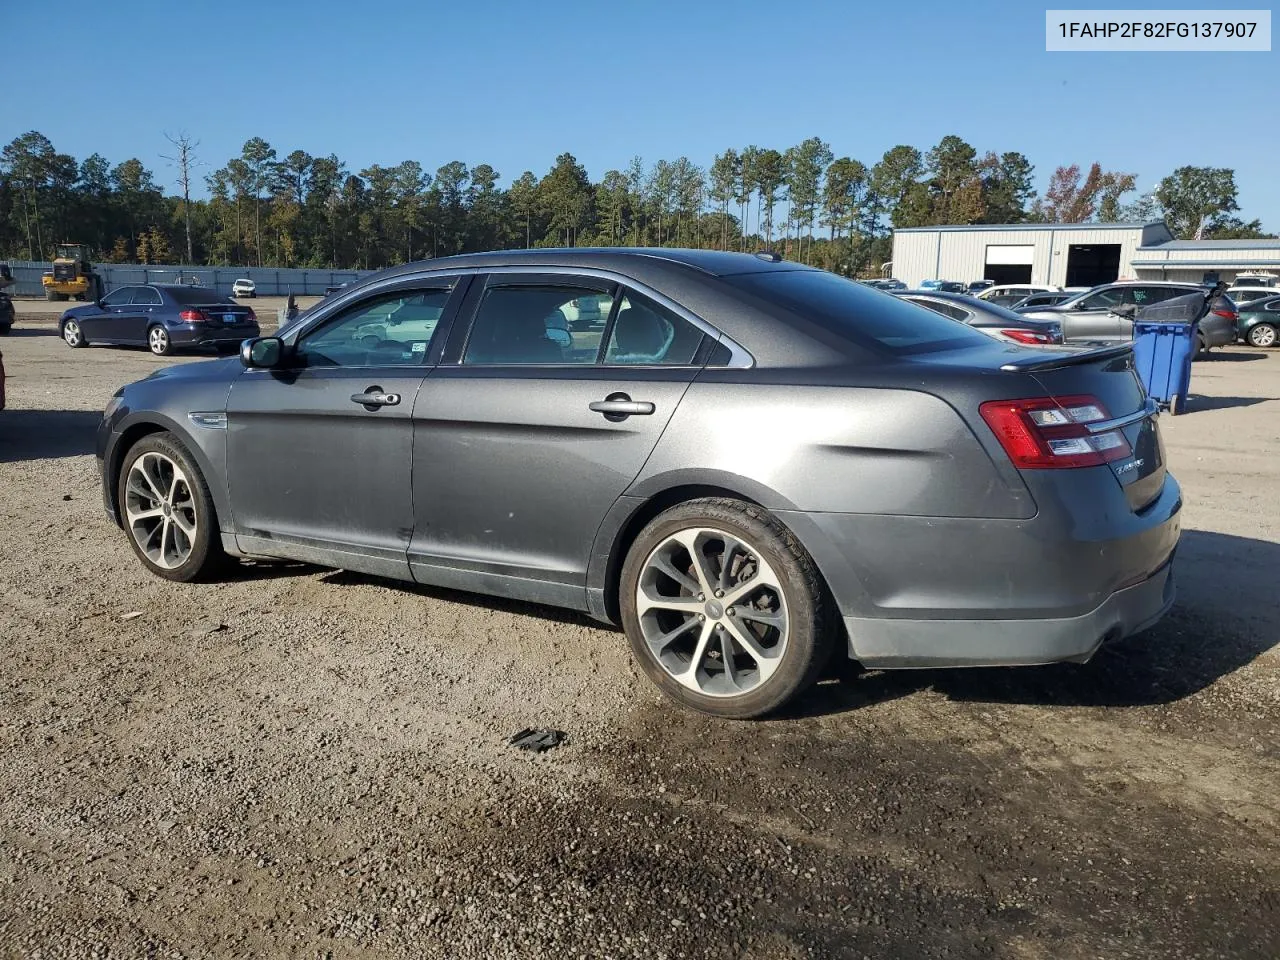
column 374, row 397
column 619, row 406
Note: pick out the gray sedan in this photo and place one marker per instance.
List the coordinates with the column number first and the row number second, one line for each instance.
column 750, row 465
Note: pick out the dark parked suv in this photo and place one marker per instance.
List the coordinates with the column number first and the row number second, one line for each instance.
column 1091, row 316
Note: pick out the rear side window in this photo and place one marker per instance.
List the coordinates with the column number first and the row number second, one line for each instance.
column 197, row 296
column 946, row 309
column 864, row 316
column 147, row 297
column 647, row 334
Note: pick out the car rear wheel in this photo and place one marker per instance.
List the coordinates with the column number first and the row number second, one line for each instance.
column 724, row 609
column 1262, row 335
column 158, row 341
column 72, row 334
column 167, row 511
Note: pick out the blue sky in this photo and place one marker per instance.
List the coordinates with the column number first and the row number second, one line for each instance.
column 514, row 84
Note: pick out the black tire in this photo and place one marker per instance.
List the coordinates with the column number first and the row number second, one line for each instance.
column 810, row 637
column 207, row 558
column 1202, row 349
column 158, row 341
column 1268, row 333
column 5, row 329
column 50, row 295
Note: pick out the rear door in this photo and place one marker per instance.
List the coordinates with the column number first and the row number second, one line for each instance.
column 319, row 453
column 145, row 309
column 528, row 436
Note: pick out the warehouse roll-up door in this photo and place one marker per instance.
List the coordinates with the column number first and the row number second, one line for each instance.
column 1009, row 263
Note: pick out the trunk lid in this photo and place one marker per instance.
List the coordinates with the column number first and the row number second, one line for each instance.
column 1109, row 377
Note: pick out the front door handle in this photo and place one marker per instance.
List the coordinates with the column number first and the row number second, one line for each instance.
column 374, row 397
column 619, row 406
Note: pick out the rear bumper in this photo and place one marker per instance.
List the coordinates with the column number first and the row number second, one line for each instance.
column 209, row 335
column 952, row 591
column 891, row 644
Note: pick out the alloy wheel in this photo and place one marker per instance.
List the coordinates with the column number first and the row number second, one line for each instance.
column 71, row 333
column 160, row 510
column 158, row 340
column 712, row 612
column 1263, row 335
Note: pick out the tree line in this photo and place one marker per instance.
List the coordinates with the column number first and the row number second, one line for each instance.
column 269, row 208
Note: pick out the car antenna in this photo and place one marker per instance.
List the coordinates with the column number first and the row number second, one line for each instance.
column 770, row 255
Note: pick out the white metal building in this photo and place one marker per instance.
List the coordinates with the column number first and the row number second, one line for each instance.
column 1071, row 254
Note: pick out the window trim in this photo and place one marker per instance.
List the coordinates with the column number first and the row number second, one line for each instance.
column 455, row 283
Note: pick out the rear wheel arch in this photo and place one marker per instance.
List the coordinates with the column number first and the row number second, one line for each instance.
column 656, row 504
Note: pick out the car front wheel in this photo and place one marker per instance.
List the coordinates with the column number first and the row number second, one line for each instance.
column 724, row 609
column 167, row 511
column 72, row 334
column 1262, row 335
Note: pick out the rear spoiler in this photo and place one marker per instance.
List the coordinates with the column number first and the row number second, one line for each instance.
column 1034, row 364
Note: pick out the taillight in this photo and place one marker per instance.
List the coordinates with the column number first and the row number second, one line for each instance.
column 1227, row 315
column 252, row 316
column 1047, row 433
column 1023, row 335
column 193, row 316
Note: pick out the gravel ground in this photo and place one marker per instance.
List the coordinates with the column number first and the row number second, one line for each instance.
column 311, row 763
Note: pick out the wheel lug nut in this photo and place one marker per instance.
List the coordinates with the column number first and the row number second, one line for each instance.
column 719, row 593
column 732, row 612
column 702, row 617
column 701, row 598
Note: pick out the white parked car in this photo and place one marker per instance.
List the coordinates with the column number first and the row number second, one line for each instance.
column 244, row 288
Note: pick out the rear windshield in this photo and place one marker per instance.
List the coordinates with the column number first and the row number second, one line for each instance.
column 196, row 296
column 865, row 316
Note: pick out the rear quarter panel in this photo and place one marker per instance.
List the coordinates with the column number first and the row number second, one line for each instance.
column 832, row 449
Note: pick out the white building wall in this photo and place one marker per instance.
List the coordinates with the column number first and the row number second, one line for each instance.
column 962, row 254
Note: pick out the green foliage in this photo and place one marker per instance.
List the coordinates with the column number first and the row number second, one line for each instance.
column 305, row 210
column 1197, row 199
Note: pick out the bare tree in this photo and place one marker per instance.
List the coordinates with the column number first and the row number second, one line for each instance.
column 186, row 160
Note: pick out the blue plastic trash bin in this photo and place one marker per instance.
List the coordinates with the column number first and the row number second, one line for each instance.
column 1162, row 353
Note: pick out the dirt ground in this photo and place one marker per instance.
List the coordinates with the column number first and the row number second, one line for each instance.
column 309, row 763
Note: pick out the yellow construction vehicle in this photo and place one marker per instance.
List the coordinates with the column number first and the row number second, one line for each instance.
column 72, row 275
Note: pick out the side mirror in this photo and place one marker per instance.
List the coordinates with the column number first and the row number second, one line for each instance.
column 1126, row 310
column 262, row 353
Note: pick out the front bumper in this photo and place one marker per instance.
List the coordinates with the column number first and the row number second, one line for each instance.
column 890, row 644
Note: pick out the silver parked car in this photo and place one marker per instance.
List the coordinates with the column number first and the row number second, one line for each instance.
column 1092, row 317
column 751, row 466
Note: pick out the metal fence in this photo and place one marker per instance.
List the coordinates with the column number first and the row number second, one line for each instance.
column 270, row 281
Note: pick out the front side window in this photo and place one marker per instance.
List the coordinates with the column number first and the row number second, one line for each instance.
column 394, row 329
column 147, row 297
column 530, row 324
column 119, row 298
column 646, row 333
column 1105, row 299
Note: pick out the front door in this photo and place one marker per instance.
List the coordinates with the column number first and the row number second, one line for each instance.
column 1093, row 319
column 319, row 452
column 110, row 323
column 523, row 445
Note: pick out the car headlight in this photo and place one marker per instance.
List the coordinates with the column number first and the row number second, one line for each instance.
column 113, row 404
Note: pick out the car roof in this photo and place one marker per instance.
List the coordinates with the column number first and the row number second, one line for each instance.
column 716, row 263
